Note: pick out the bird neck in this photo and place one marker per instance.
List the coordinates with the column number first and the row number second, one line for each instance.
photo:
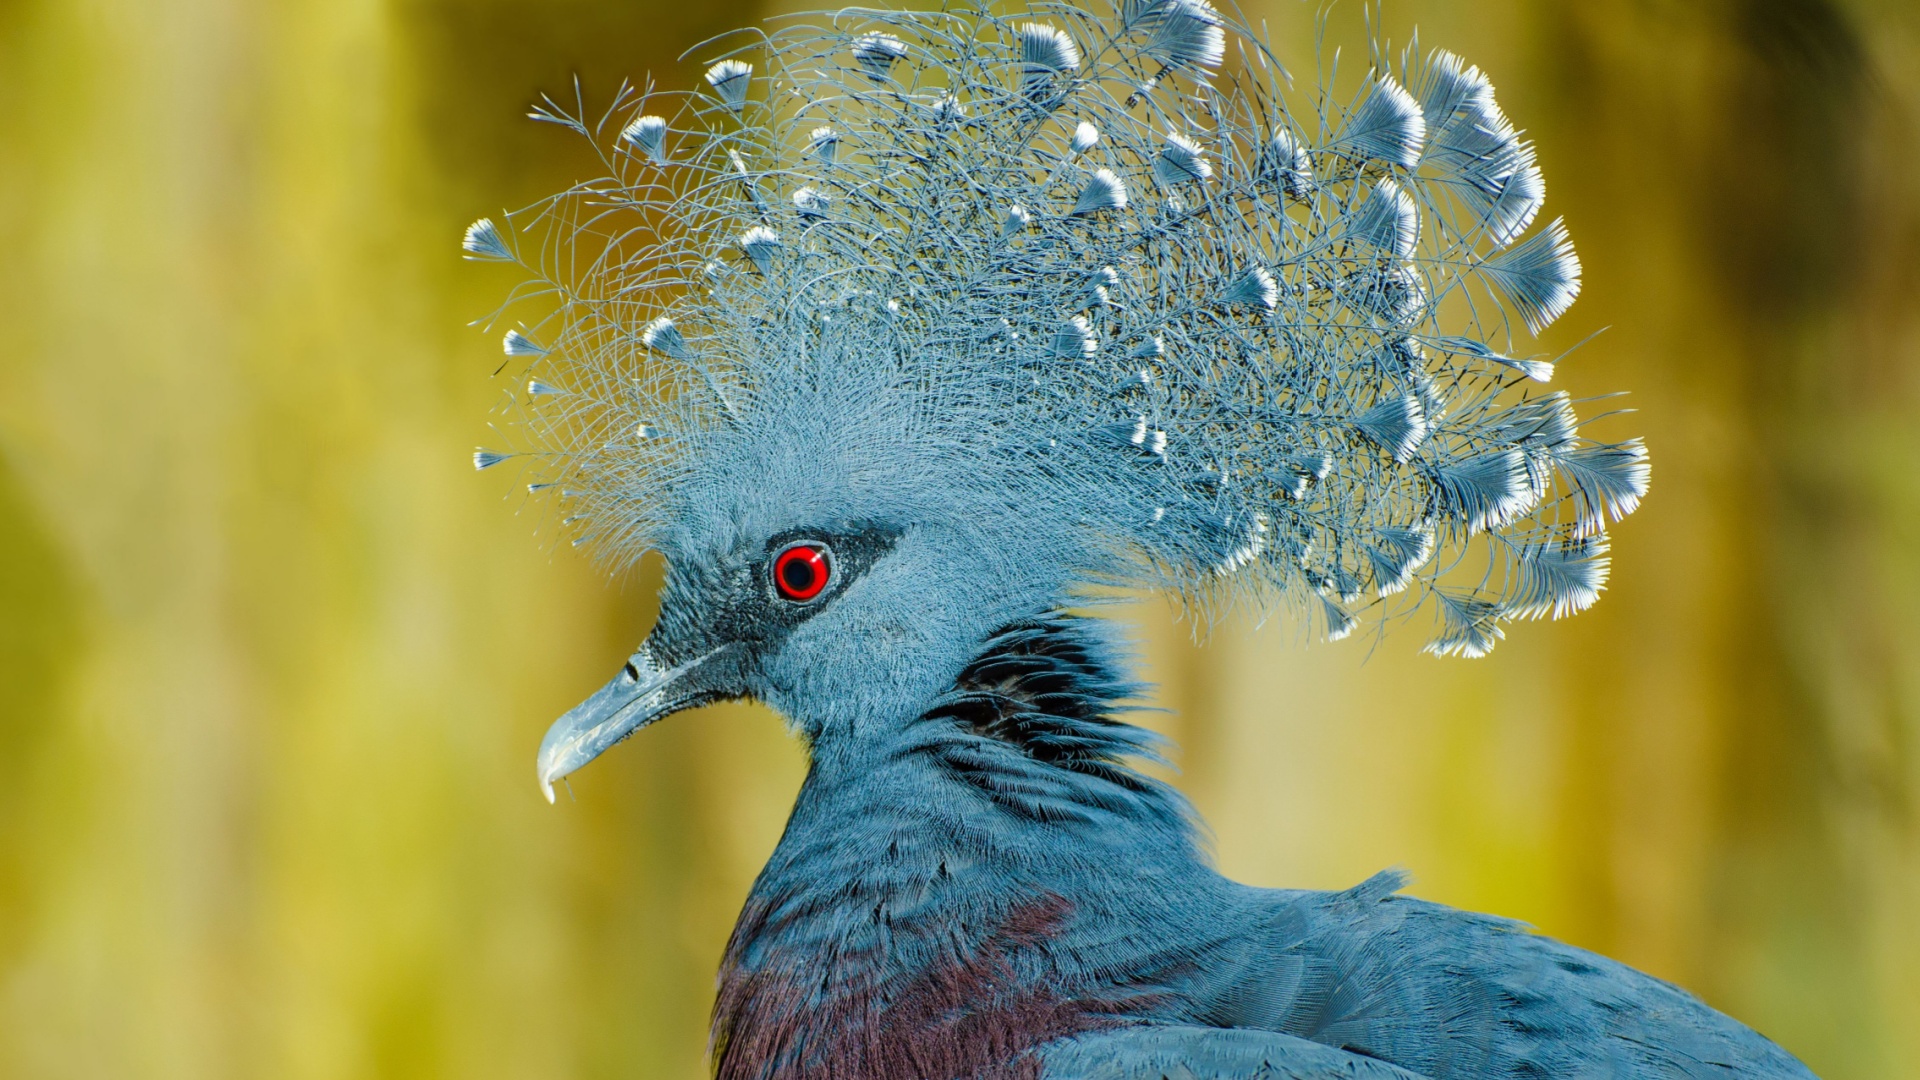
column 952, row 859
column 1026, row 743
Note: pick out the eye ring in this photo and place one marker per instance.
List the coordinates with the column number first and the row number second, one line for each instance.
column 802, row 571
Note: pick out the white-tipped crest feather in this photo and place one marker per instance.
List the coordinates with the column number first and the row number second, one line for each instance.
column 648, row 134
column 1104, row 191
column 1183, row 33
column 663, row 337
column 1180, row 161
column 875, row 52
column 482, row 243
column 1254, row 288
column 811, row 202
column 516, row 343
column 1388, row 127
column 1075, row 340
column 1284, row 160
column 760, row 244
column 1046, row 51
column 730, row 80
column 1388, row 220
column 824, row 144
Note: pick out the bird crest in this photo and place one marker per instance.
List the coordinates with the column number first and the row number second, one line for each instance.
column 1099, row 278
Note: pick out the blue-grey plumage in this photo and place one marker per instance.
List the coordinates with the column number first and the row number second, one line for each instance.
column 916, row 330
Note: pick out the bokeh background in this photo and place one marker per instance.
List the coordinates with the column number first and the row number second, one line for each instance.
column 274, row 660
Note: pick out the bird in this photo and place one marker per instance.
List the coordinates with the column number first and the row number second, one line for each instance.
column 911, row 340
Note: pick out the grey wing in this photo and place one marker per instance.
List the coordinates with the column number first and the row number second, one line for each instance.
column 1455, row 995
column 1179, row 1052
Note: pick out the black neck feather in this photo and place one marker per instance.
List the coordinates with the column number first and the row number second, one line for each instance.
column 1030, row 722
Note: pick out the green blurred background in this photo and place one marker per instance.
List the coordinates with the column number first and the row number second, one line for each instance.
column 274, row 660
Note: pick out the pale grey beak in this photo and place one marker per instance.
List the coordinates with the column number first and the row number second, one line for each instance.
column 641, row 694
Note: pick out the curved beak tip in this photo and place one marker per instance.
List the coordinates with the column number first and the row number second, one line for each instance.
column 639, row 695
column 558, row 757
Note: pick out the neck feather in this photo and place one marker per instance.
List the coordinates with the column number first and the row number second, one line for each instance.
column 1030, row 723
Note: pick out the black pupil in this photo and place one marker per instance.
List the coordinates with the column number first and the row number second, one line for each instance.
column 798, row 573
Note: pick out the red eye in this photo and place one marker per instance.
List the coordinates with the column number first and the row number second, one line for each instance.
column 802, row 571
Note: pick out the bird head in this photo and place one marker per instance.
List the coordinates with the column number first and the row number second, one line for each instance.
column 900, row 331
column 833, row 557
column 847, row 623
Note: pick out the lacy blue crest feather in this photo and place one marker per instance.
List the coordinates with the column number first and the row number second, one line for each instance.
column 1055, row 266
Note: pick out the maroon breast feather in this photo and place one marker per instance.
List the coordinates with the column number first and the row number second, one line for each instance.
column 970, row 1017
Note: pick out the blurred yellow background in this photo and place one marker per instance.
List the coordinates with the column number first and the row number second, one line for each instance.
column 274, row 660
